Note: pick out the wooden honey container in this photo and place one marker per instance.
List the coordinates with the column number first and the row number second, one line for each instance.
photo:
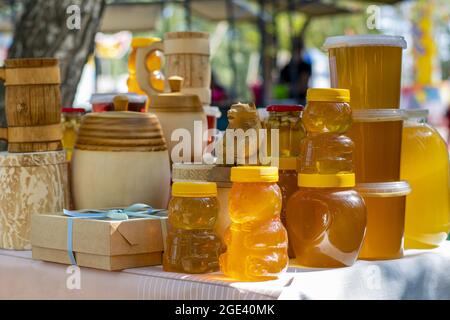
column 120, row 158
column 187, row 54
column 31, row 183
column 182, row 113
column 33, row 105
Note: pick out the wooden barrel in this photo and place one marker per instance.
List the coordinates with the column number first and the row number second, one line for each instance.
column 31, row 183
column 120, row 158
column 188, row 55
column 33, row 105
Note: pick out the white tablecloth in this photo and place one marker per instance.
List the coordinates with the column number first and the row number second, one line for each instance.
column 419, row 275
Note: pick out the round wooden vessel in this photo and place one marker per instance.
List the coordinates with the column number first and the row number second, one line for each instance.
column 31, row 183
column 33, row 105
column 120, row 158
column 177, row 111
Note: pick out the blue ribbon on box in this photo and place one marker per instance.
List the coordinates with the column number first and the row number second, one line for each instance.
column 135, row 211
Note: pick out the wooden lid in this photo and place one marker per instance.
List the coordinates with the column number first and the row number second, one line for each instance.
column 121, row 131
column 175, row 101
column 202, row 172
column 32, row 159
column 31, row 63
column 186, row 35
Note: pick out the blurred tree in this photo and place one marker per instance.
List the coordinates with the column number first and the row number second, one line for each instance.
column 64, row 29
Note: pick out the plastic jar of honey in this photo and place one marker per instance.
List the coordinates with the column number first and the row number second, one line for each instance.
column 287, row 119
column 385, row 204
column 192, row 245
column 370, row 66
column 256, row 239
column 326, row 220
column 325, row 149
column 425, row 165
column 377, row 136
column 70, row 119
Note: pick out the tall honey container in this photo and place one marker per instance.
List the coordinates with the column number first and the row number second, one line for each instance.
column 369, row 66
column 187, row 54
column 187, row 172
column 31, row 183
column 120, row 158
column 181, row 114
column 33, row 105
column 377, row 135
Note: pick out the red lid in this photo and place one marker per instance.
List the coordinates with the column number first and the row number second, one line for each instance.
column 73, row 110
column 284, row 108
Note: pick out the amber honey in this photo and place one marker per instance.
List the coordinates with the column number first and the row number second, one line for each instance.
column 385, row 204
column 325, row 149
column 256, row 240
column 369, row 66
column 377, row 136
column 326, row 225
column 425, row 165
column 288, row 186
column 192, row 245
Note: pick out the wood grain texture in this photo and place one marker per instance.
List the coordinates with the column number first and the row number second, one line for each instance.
column 120, row 131
column 31, row 183
column 41, row 31
column 121, row 178
column 194, row 68
column 33, row 105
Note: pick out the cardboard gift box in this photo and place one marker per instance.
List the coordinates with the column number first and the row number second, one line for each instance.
column 101, row 244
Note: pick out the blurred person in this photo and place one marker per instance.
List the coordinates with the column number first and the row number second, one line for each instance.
column 297, row 72
column 219, row 95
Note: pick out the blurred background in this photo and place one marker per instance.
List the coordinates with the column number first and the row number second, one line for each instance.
column 258, row 46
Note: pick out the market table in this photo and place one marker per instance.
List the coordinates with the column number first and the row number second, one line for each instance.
column 419, row 275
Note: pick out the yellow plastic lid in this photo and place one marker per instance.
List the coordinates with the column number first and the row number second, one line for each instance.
column 194, row 189
column 254, row 174
column 140, row 42
column 328, row 95
column 339, row 180
column 384, row 189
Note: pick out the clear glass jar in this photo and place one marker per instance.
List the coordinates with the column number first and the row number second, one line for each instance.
column 192, row 245
column 70, row 121
column 425, row 165
column 287, row 119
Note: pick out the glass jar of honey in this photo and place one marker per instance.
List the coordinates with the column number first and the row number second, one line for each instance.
column 286, row 119
column 326, row 220
column 425, row 165
column 70, row 121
